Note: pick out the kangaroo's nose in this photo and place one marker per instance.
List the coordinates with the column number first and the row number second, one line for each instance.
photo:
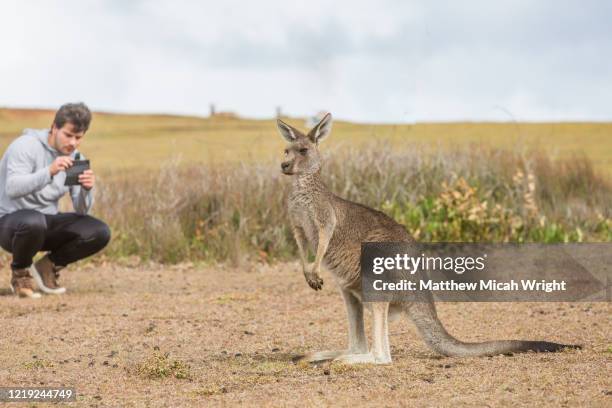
column 285, row 165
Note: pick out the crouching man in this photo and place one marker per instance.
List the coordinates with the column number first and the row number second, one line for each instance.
column 32, row 176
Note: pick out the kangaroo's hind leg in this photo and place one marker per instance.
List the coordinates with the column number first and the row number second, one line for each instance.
column 358, row 343
column 381, row 352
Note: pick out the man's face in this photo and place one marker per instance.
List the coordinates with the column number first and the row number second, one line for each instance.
column 65, row 139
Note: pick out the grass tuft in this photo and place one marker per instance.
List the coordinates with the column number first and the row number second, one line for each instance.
column 160, row 366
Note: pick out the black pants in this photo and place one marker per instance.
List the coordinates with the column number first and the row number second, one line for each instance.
column 68, row 236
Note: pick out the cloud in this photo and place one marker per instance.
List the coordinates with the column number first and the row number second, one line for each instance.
column 365, row 61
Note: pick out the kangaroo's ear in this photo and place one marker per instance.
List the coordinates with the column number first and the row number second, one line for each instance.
column 321, row 130
column 286, row 131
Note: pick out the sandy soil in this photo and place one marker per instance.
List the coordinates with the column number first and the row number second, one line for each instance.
column 233, row 331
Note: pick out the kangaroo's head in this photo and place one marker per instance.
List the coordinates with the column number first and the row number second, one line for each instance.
column 302, row 153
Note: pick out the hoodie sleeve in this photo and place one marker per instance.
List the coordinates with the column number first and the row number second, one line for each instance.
column 20, row 178
column 82, row 200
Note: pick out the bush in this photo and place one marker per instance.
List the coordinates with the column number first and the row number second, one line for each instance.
column 476, row 194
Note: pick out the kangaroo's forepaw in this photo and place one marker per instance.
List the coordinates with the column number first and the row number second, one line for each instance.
column 314, row 281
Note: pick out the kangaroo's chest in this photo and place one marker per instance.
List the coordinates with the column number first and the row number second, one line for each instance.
column 302, row 215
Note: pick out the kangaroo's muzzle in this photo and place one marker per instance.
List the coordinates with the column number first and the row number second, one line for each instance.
column 285, row 167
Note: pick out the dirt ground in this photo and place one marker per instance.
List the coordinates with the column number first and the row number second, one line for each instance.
column 154, row 336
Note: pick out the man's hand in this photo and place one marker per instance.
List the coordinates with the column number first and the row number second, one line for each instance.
column 87, row 179
column 312, row 276
column 60, row 164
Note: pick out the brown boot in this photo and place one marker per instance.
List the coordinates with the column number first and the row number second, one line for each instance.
column 22, row 284
column 46, row 275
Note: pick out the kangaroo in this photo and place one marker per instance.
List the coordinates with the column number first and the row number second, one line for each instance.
column 333, row 229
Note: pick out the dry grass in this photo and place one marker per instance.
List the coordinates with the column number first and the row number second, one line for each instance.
column 134, row 335
column 234, row 331
column 143, row 141
column 236, row 213
column 185, row 188
column 159, row 365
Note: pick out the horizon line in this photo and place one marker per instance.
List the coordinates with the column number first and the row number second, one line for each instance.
column 266, row 118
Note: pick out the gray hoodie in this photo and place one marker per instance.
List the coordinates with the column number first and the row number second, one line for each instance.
column 25, row 181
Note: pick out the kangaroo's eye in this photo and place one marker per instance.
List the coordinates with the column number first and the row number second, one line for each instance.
column 286, row 152
column 303, row 151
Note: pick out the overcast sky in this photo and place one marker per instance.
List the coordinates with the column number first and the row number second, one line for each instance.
column 366, row 61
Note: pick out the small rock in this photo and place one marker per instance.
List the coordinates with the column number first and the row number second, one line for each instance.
column 275, row 349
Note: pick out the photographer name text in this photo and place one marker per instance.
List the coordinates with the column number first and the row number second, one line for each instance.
column 482, row 285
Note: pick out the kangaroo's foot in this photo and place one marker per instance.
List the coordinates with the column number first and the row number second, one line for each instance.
column 320, row 356
column 365, row 358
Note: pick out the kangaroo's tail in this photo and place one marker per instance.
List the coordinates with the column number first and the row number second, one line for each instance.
column 424, row 316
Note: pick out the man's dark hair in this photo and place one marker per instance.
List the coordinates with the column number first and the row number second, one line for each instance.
column 76, row 113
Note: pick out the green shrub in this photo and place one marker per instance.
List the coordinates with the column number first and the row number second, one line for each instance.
column 230, row 214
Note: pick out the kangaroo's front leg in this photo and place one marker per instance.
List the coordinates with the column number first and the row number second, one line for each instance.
column 302, row 244
column 325, row 230
column 308, row 269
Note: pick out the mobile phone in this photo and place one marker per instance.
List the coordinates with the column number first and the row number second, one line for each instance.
column 78, row 167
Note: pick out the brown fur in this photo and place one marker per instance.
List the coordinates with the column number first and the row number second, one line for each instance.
column 334, row 228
